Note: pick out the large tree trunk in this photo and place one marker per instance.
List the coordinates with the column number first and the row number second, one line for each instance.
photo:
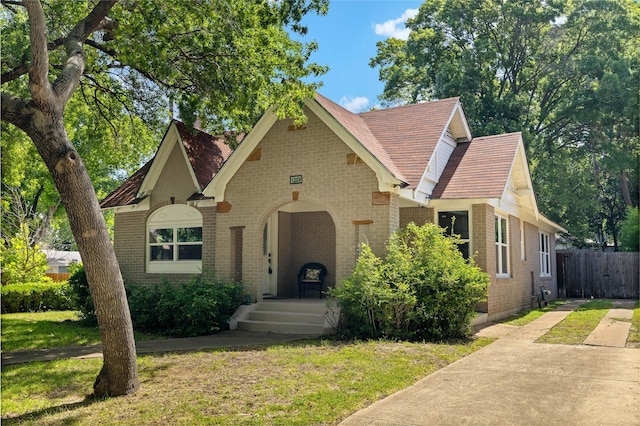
column 41, row 118
column 119, row 375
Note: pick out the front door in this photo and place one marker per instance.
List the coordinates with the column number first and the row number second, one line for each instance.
column 270, row 257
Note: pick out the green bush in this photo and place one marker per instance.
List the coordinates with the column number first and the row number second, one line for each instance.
column 422, row 290
column 200, row 307
column 33, row 297
column 82, row 294
column 22, row 262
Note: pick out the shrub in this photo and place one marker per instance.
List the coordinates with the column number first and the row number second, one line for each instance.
column 32, row 297
column 200, row 307
column 22, row 262
column 82, row 294
column 423, row 289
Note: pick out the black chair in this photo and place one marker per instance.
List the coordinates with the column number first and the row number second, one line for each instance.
column 311, row 275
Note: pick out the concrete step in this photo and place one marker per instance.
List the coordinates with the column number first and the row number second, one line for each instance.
column 283, row 316
column 281, row 327
column 305, row 316
column 293, row 305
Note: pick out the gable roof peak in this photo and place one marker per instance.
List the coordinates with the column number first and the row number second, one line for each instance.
column 204, row 155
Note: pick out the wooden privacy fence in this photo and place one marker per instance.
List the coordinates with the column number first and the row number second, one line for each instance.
column 63, row 276
column 611, row 275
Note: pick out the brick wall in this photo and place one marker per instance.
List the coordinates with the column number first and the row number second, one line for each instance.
column 417, row 215
column 509, row 295
column 344, row 191
column 130, row 244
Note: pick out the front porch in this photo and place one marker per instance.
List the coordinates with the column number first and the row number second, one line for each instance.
column 312, row 317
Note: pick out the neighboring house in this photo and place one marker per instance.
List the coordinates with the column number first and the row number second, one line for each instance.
column 58, row 262
column 290, row 195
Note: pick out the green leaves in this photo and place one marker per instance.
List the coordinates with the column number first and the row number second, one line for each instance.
column 223, row 63
column 423, row 289
column 21, row 262
column 563, row 73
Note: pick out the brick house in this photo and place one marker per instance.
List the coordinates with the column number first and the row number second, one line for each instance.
column 290, row 195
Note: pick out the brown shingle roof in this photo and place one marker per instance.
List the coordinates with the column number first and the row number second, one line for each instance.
column 478, row 169
column 206, row 154
column 409, row 134
column 126, row 193
column 358, row 127
column 401, row 138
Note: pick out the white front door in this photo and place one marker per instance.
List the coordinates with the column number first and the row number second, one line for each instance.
column 270, row 256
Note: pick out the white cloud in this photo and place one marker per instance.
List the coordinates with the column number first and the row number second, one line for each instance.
column 357, row 104
column 395, row 27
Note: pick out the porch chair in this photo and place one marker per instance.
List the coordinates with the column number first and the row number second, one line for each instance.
column 311, row 275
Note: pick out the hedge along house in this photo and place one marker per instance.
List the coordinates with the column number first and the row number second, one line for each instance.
column 290, row 195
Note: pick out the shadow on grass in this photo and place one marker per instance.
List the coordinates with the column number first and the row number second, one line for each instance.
column 34, row 416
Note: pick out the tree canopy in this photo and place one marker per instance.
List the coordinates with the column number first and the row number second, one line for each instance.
column 564, row 73
column 223, row 63
column 83, row 79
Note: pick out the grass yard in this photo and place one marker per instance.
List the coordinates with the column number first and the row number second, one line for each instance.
column 307, row 382
column 317, row 382
column 577, row 326
column 525, row 317
column 51, row 329
column 634, row 333
column 43, row 330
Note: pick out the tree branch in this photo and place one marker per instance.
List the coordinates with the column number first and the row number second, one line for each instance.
column 39, row 85
column 68, row 80
column 15, row 111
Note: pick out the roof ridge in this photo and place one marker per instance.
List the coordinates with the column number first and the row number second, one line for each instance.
column 394, row 108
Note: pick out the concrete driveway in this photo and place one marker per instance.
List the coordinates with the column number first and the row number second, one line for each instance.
column 515, row 381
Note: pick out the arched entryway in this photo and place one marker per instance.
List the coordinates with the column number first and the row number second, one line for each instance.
column 295, row 234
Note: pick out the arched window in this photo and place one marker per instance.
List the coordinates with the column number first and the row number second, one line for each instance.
column 174, row 240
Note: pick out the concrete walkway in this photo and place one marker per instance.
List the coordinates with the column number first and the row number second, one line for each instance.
column 515, row 381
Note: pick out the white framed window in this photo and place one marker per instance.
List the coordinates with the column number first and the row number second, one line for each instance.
column 545, row 256
column 174, row 240
column 502, row 247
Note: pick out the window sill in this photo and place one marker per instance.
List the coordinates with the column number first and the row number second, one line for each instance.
column 503, row 276
column 172, row 267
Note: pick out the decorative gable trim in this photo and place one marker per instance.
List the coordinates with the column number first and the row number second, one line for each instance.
column 170, row 139
column 456, row 129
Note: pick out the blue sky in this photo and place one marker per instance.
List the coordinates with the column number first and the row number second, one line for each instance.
column 347, row 38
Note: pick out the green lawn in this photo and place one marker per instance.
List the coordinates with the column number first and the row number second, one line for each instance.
column 51, row 329
column 527, row 316
column 577, row 326
column 308, row 382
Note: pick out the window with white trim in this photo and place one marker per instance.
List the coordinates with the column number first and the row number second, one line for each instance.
column 174, row 240
column 545, row 256
column 502, row 247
